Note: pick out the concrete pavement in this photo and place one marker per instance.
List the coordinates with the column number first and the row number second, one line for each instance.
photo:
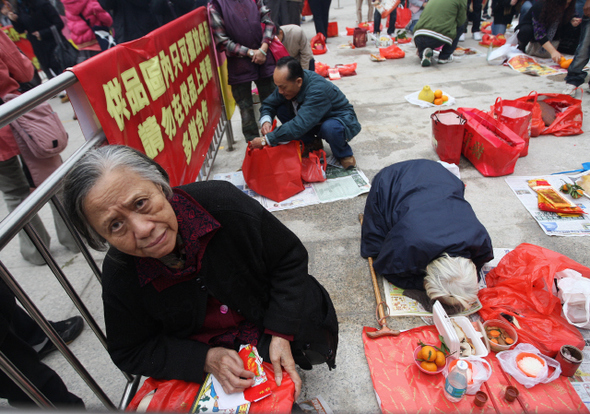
column 393, row 131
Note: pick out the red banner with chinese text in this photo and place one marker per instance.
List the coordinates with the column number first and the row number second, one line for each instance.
column 159, row 94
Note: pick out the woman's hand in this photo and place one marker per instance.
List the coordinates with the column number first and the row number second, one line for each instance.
column 281, row 357
column 556, row 56
column 37, row 35
column 228, row 368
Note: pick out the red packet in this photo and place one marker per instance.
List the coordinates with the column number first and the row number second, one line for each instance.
column 253, row 362
column 334, row 74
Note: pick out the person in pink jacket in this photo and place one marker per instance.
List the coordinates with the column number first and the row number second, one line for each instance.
column 15, row 68
column 77, row 11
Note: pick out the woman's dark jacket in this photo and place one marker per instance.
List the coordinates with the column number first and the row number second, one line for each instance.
column 415, row 212
column 253, row 264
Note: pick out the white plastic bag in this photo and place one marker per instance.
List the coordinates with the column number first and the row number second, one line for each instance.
column 481, row 371
column 574, row 292
column 497, row 56
column 508, row 362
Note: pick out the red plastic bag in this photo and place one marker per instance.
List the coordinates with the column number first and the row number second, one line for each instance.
column 517, row 119
column 448, row 128
column 521, row 285
column 318, row 44
column 569, row 115
column 274, row 172
column 529, row 102
column 313, row 168
column 322, row 69
column 169, row 395
column 347, row 70
column 391, row 52
column 277, row 49
column 492, row 147
column 403, row 17
column 491, row 40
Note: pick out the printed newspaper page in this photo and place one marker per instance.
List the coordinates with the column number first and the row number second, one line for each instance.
column 315, row 405
column 581, row 380
column 339, row 185
column 552, row 223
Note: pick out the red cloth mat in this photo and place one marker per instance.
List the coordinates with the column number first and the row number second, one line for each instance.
column 402, row 387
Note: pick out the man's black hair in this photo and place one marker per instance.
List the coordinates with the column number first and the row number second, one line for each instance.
column 294, row 67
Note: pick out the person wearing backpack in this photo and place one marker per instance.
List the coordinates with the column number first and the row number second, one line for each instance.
column 15, row 68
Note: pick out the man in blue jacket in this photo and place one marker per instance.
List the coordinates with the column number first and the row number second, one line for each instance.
column 310, row 109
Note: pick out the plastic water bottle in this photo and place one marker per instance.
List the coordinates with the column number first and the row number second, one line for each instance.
column 456, row 382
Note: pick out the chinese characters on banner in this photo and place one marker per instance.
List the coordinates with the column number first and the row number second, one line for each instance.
column 159, row 94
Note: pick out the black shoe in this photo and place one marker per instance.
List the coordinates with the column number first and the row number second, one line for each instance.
column 68, row 330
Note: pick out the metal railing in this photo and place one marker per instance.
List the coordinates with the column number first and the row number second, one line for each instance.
column 47, row 192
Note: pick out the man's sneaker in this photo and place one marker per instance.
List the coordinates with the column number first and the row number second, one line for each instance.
column 476, row 36
column 447, row 60
column 348, row 163
column 68, row 330
column 570, row 90
column 426, row 56
column 462, row 38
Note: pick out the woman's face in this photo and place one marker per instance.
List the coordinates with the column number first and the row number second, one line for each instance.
column 132, row 214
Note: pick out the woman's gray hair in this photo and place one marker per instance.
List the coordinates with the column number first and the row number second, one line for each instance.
column 452, row 280
column 85, row 174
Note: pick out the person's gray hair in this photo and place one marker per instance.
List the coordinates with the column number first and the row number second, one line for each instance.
column 95, row 164
column 452, row 280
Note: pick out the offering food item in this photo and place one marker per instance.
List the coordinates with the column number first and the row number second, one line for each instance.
column 429, row 366
column 426, row 94
column 465, row 345
column 584, row 182
column 530, row 364
column 565, row 63
column 549, row 199
column 498, row 335
column 431, row 358
column 573, row 190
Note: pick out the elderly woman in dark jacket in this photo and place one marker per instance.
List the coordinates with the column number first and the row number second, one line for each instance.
column 194, row 272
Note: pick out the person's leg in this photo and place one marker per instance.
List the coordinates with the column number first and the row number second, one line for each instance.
column 498, row 29
column 376, row 23
column 370, row 12
column 15, row 188
column 293, row 12
column 320, row 10
column 447, row 50
column 476, row 17
column 312, row 65
column 242, row 93
column 265, row 86
column 575, row 74
column 333, row 132
column 392, row 19
column 526, row 6
column 425, row 46
column 63, row 234
column 359, row 11
column 524, row 36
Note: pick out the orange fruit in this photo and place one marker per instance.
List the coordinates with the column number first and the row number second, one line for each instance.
column 440, row 360
column 445, row 98
column 438, row 101
column 429, row 366
column 565, row 63
column 419, row 354
column 428, row 353
column 438, row 94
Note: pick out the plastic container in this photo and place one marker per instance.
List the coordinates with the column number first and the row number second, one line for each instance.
column 438, row 371
column 570, row 358
column 445, row 327
column 481, row 398
column 456, row 382
column 509, row 330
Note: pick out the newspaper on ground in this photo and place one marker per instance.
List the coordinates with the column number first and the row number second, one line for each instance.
column 340, row 184
column 552, row 223
column 532, row 66
column 314, row 405
column 581, row 379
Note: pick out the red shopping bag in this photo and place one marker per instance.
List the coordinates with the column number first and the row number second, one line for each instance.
column 333, row 29
column 522, row 286
column 568, row 114
column 529, row 103
column 318, row 44
column 517, row 119
column 359, row 38
column 448, row 128
column 322, row 69
column 391, row 52
column 274, row 172
column 169, row 395
column 403, row 17
column 306, row 11
column 313, row 168
column 492, row 147
column 277, row 49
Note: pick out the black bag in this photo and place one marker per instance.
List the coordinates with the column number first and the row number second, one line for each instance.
column 102, row 33
column 65, row 54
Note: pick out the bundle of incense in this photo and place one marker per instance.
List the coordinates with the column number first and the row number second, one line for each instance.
column 549, row 199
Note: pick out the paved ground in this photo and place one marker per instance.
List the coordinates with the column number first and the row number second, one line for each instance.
column 393, row 131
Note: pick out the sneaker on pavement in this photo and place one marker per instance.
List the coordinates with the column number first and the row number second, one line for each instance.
column 570, row 90
column 447, row 60
column 68, row 330
column 462, row 38
column 348, row 163
column 476, row 36
column 426, row 56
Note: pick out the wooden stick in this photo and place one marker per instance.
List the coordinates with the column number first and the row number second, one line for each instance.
column 491, row 397
column 518, row 396
column 381, row 317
